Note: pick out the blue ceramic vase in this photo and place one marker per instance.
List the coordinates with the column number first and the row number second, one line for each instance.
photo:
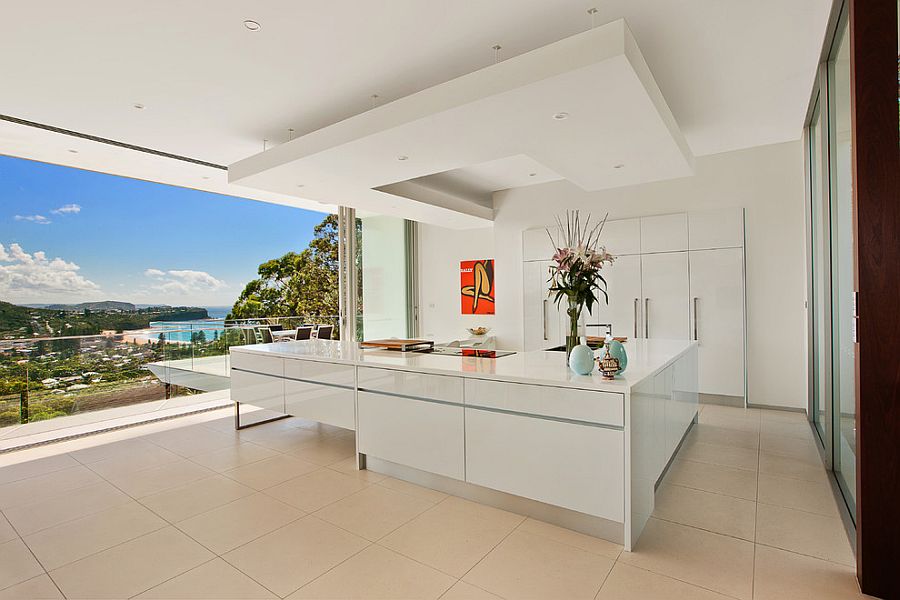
column 581, row 360
column 617, row 350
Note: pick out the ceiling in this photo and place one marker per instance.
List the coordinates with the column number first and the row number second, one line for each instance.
column 734, row 74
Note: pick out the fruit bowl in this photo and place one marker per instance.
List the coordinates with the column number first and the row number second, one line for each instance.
column 478, row 331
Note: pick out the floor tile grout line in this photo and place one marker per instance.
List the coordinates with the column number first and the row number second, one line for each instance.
column 36, row 559
column 673, row 578
column 704, row 529
column 813, row 556
column 755, row 520
column 320, row 575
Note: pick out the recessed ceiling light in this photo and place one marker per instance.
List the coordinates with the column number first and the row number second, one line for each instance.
column 73, row 150
column 532, row 174
column 206, row 177
column 300, row 185
column 139, row 106
column 561, row 116
column 252, row 25
column 402, row 157
column 619, row 166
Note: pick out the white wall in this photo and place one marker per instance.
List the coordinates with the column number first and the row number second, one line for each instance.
column 767, row 181
column 440, row 251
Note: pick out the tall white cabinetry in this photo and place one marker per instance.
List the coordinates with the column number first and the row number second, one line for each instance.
column 678, row 276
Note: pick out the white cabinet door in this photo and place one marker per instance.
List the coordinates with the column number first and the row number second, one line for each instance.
column 717, row 291
column 583, row 472
column 623, row 285
column 664, row 233
column 719, row 228
column 664, row 281
column 622, row 237
column 536, row 244
column 416, row 433
column 543, row 320
column 321, row 403
column 255, row 389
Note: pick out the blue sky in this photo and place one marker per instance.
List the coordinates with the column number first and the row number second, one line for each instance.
column 68, row 235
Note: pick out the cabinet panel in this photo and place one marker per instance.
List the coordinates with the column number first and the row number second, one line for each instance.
column 623, row 279
column 622, row 237
column 717, row 291
column 544, row 321
column 664, row 233
column 720, row 228
column 583, row 472
column 536, row 244
column 321, row 372
column 262, row 391
column 416, row 433
column 664, row 281
column 321, row 403
column 410, row 383
column 258, row 363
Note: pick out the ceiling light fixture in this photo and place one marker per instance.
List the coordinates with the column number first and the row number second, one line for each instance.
column 73, row 150
column 206, row 177
column 532, row 174
column 300, row 185
column 402, row 157
column 619, row 166
column 252, row 25
column 561, row 116
column 139, row 106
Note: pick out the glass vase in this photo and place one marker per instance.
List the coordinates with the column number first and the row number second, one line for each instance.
column 573, row 335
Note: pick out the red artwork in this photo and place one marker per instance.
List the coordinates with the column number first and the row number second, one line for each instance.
column 476, row 286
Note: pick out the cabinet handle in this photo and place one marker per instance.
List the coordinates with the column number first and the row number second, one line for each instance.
column 647, row 318
column 544, row 318
column 637, row 302
column 696, row 337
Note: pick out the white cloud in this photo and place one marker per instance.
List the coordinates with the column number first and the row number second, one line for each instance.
column 184, row 282
column 39, row 219
column 34, row 276
column 67, row 209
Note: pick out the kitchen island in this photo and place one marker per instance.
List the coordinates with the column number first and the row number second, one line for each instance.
column 521, row 431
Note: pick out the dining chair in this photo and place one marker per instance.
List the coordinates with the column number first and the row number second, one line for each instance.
column 323, row 332
column 304, row 332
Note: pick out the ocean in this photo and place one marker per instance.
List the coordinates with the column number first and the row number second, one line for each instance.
column 181, row 331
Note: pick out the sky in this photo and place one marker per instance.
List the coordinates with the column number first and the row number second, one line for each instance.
column 69, row 236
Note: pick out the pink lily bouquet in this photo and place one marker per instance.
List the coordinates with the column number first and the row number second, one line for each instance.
column 575, row 273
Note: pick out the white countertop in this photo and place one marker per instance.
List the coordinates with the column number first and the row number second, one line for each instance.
column 645, row 358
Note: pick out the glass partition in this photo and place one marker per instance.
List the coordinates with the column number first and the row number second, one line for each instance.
column 384, row 294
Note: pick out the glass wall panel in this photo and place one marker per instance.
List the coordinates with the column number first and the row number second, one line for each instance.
column 384, row 301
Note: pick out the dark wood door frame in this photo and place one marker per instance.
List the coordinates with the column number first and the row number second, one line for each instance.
column 876, row 190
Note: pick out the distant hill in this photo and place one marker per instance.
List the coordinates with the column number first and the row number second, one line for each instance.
column 105, row 305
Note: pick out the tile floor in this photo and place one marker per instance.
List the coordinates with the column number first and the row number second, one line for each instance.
column 189, row 508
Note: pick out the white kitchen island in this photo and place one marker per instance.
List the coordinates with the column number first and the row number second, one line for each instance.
column 521, row 431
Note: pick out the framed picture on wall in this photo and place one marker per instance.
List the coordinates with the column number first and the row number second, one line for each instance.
column 476, row 286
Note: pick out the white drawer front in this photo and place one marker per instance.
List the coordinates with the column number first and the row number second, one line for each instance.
column 417, row 385
column 574, row 466
column 320, row 372
column 605, row 408
column 321, row 403
column 263, row 391
column 258, row 363
column 415, row 433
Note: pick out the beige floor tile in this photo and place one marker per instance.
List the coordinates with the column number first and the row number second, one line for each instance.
column 374, row 511
column 131, row 462
column 98, row 449
column 803, row 533
column 466, row 591
column 348, row 467
column 780, row 575
column 194, row 440
column 708, row 560
column 322, row 429
column 571, row 538
column 232, row 525
column 283, row 439
column 786, row 466
column 215, row 580
column 133, row 567
column 37, row 588
column 739, row 483
column 706, row 510
column 726, row 456
column 33, row 468
column 734, row 422
column 161, row 478
column 720, row 436
column 233, row 457
column 294, row 555
column 630, row 583
column 271, row 471
column 424, row 493
column 57, row 483
column 326, row 451
column 784, row 416
column 805, row 450
column 17, row 564
column 792, row 429
column 6, row 530
column 43, row 513
column 314, row 490
column 530, row 566
column 377, row 573
column 183, row 502
column 729, row 412
column 811, row 496
column 453, row 536
column 74, row 540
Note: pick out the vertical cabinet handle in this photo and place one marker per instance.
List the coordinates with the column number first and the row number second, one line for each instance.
column 544, row 318
column 696, row 337
column 646, row 317
column 637, row 302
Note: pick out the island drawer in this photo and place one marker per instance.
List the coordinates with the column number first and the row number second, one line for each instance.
column 320, row 372
column 262, row 391
column 416, row 385
column 322, row 403
column 605, row 408
column 417, row 433
column 258, row 363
